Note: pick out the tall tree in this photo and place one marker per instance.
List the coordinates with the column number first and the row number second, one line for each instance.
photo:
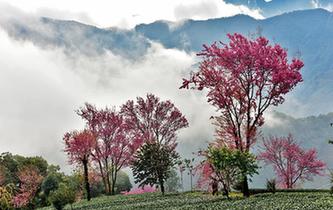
column 243, row 79
column 181, row 167
column 116, row 142
column 79, row 146
column 156, row 123
column 290, row 162
column 190, row 167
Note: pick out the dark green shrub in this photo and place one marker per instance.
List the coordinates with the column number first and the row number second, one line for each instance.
column 62, row 196
column 238, row 186
column 123, row 182
column 271, row 185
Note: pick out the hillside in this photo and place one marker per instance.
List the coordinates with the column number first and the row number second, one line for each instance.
column 154, row 201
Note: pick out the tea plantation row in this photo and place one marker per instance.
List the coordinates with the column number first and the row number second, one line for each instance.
column 187, row 201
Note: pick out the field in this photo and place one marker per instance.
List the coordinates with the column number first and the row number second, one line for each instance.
column 265, row 201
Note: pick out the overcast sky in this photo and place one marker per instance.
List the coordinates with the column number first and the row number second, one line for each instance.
column 41, row 88
column 127, row 13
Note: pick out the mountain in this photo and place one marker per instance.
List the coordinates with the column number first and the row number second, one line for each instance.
column 75, row 37
column 308, row 32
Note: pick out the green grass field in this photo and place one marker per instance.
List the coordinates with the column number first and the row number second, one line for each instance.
column 154, row 201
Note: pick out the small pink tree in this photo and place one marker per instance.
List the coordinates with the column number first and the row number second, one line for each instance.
column 30, row 181
column 116, row 142
column 79, row 146
column 290, row 162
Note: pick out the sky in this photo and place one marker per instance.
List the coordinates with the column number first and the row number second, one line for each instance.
column 128, row 13
column 40, row 88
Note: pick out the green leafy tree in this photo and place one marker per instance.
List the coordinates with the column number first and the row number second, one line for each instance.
column 172, row 183
column 62, row 196
column 123, row 182
column 52, row 180
column 229, row 165
column 11, row 164
column 189, row 165
column 271, row 185
column 153, row 163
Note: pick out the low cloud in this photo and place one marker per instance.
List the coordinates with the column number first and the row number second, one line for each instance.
column 82, row 17
column 213, row 9
column 40, row 89
column 325, row 4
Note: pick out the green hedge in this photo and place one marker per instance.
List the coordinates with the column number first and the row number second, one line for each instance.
column 257, row 191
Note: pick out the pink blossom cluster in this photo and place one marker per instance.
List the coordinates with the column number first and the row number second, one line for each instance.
column 30, row 181
column 140, row 190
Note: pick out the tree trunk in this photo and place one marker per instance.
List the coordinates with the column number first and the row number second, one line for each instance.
column 226, row 192
column 191, row 180
column 114, row 179
column 181, row 178
column 103, row 176
column 108, row 176
column 86, row 179
column 162, row 186
column 246, row 192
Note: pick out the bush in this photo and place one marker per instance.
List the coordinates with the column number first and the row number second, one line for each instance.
column 6, row 198
column 254, row 191
column 62, row 196
column 238, row 186
column 50, row 184
column 123, row 182
column 271, row 185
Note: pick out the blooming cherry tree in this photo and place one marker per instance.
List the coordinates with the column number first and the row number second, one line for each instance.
column 154, row 119
column 79, row 146
column 156, row 123
column 30, row 181
column 243, row 79
column 290, row 162
column 116, row 141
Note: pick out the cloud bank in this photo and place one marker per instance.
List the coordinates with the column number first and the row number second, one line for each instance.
column 128, row 13
column 41, row 87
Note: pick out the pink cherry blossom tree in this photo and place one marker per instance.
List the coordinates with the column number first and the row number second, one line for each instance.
column 153, row 119
column 243, row 78
column 290, row 162
column 79, row 146
column 156, row 123
column 30, row 181
column 116, row 142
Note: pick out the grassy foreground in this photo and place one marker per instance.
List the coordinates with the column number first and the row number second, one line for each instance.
column 153, row 201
